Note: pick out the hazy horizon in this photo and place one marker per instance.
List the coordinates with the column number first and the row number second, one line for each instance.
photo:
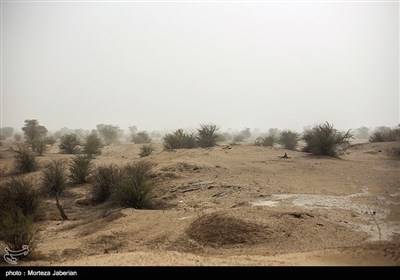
column 163, row 66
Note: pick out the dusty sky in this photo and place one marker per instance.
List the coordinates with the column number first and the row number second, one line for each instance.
column 171, row 65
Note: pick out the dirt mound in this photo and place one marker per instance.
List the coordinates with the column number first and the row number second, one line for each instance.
column 383, row 149
column 218, row 229
column 267, row 232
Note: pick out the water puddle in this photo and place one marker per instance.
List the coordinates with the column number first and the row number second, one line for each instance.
column 266, row 203
column 373, row 217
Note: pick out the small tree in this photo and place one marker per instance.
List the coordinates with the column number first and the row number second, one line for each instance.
column 19, row 208
column 266, row 141
column 54, row 182
column 289, row 139
column 50, row 140
column 146, row 150
column 207, row 135
column 80, row 168
column 19, row 195
column 69, row 144
column 33, row 131
column 39, row 146
column 25, row 160
column 135, row 190
column 324, row 139
column 18, row 230
column 242, row 135
column 385, row 134
column 54, row 179
column 141, row 138
column 179, row 140
column 92, row 145
column 104, row 180
column 110, row 133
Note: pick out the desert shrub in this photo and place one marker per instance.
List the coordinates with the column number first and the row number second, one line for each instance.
column 39, row 146
column 54, row 179
column 19, row 208
column 25, row 160
column 385, row 134
column 377, row 136
column 134, row 191
column 18, row 195
column 207, row 136
column 18, row 230
column 110, row 133
column 33, row 131
column 104, row 180
column 92, row 145
column 324, row 139
column 50, row 140
column 138, row 171
column 289, row 139
column 6, row 132
column 146, row 150
column 225, row 136
column 69, row 144
column 275, row 133
column 80, row 168
column 141, row 137
column 179, row 140
column 242, row 135
column 17, row 137
column 266, row 141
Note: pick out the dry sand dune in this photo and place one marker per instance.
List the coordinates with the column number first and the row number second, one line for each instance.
column 236, row 205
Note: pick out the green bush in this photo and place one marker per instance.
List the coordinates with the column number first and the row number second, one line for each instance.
column 179, row 140
column 385, row 134
column 141, row 137
column 110, row 133
column 92, row 145
column 207, row 135
column 33, row 131
column 25, row 160
column 266, row 141
column 289, row 139
column 324, row 139
column 146, row 150
column 18, row 195
column 135, row 190
column 80, row 168
column 19, row 208
column 39, row 146
column 54, row 179
column 104, row 180
column 50, row 140
column 70, row 144
column 18, row 230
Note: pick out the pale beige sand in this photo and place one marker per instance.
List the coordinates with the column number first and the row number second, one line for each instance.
column 240, row 205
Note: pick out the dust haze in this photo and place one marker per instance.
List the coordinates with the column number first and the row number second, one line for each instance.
column 199, row 133
column 163, row 66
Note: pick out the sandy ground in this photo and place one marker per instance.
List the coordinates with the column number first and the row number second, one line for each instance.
column 234, row 205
